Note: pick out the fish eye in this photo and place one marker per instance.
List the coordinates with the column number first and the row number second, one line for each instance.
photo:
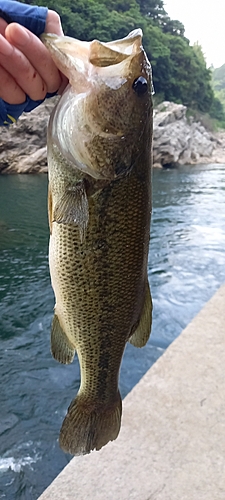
column 140, row 85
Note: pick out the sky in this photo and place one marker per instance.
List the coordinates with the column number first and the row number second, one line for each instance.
column 204, row 22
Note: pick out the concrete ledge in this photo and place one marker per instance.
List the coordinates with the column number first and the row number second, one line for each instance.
column 172, row 442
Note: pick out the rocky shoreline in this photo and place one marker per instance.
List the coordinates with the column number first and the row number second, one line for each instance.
column 177, row 140
column 180, row 140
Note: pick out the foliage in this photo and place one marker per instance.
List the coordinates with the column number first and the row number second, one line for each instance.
column 218, row 77
column 153, row 9
column 179, row 70
column 218, row 82
column 209, row 123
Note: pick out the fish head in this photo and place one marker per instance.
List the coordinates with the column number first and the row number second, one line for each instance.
column 103, row 119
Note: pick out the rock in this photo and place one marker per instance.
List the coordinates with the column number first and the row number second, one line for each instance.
column 35, row 162
column 23, row 144
column 157, row 165
column 176, row 140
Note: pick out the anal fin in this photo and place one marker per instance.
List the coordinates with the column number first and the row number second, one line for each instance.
column 61, row 348
column 142, row 333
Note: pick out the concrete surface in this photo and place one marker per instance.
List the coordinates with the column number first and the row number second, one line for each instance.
column 172, row 442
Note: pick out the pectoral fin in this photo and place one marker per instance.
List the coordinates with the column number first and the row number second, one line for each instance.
column 72, row 208
column 142, row 332
column 61, row 348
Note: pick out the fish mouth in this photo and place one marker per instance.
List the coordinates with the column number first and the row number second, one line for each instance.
column 111, row 53
column 74, row 57
column 116, row 50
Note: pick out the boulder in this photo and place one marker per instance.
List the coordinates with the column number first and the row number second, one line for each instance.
column 178, row 140
column 23, row 144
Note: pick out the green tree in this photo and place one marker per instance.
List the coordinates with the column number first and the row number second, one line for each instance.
column 218, row 78
column 172, row 27
column 218, row 83
column 152, row 8
column 217, row 109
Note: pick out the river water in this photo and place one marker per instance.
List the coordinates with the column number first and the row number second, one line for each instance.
column 186, row 266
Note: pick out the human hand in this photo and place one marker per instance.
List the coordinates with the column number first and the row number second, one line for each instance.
column 26, row 67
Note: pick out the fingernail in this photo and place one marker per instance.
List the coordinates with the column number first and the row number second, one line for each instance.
column 18, row 34
column 5, row 47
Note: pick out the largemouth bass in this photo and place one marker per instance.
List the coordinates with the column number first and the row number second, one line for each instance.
column 99, row 157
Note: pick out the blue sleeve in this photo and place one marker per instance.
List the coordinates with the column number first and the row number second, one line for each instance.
column 9, row 113
column 30, row 16
column 33, row 18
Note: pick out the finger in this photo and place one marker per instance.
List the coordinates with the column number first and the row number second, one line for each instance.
column 9, row 90
column 18, row 66
column 36, row 53
column 3, row 25
column 53, row 23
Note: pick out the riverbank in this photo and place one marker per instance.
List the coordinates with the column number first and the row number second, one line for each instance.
column 177, row 140
column 172, row 441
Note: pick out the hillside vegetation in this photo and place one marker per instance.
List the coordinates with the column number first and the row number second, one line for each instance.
column 218, row 79
column 179, row 70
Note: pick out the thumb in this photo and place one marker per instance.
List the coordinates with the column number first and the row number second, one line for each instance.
column 53, row 23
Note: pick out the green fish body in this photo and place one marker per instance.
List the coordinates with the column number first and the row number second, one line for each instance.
column 99, row 156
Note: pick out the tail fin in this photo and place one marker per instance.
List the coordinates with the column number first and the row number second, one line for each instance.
column 88, row 426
